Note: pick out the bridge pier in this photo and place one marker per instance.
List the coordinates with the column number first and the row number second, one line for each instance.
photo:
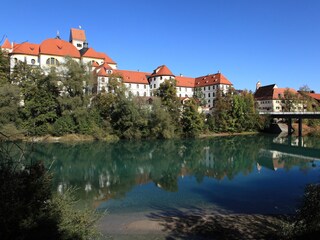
column 289, row 126
column 300, row 126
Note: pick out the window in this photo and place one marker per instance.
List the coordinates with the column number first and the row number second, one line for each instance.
column 102, row 79
column 79, row 45
column 154, row 85
column 52, row 61
column 137, row 85
column 15, row 60
column 185, row 89
column 209, row 88
column 145, row 86
column 145, row 94
column 208, row 94
column 33, row 61
column 129, row 85
column 138, row 94
column 180, row 89
column 161, row 78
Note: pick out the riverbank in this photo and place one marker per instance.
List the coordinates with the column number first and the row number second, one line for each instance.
column 73, row 138
column 190, row 224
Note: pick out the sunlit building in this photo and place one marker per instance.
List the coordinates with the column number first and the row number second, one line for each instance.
column 52, row 52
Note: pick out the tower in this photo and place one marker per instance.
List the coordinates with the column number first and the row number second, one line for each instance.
column 78, row 38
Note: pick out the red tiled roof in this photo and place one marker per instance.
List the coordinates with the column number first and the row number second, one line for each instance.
column 58, row 47
column 162, row 70
column 77, row 34
column 26, row 48
column 316, row 96
column 6, row 44
column 91, row 53
column 106, row 66
column 271, row 92
column 107, row 59
column 211, row 79
column 95, row 64
column 133, row 76
column 278, row 93
column 185, row 81
column 102, row 72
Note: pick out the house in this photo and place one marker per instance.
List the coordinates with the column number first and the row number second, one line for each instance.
column 52, row 52
column 270, row 98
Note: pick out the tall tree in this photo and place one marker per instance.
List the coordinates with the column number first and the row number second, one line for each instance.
column 167, row 91
column 192, row 122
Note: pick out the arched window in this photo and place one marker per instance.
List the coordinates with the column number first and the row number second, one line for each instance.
column 52, row 61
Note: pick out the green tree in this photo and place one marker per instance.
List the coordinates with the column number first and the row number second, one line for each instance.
column 4, row 67
column 29, row 209
column 167, row 91
column 41, row 106
column 160, row 122
column 290, row 101
column 199, row 95
column 191, row 120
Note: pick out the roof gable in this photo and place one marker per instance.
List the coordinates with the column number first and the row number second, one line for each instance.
column 6, row 44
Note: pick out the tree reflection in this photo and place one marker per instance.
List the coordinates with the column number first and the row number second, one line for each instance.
column 102, row 171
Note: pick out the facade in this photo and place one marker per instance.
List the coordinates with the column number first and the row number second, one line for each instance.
column 52, row 52
column 270, row 98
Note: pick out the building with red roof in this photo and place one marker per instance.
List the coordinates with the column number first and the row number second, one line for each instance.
column 270, row 98
column 53, row 51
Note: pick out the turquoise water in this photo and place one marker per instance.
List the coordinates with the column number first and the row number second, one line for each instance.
column 239, row 174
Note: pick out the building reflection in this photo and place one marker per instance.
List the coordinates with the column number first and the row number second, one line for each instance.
column 108, row 171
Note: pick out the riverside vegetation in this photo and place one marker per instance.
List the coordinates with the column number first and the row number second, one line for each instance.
column 59, row 103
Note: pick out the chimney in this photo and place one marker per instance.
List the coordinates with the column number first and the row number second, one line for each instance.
column 181, row 75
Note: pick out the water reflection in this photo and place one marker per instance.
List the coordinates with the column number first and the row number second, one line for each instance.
column 108, row 171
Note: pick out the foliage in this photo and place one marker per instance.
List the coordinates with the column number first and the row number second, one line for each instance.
column 306, row 223
column 290, row 100
column 62, row 102
column 199, row 95
column 191, row 120
column 234, row 112
column 160, row 122
column 4, row 67
column 28, row 209
column 167, row 92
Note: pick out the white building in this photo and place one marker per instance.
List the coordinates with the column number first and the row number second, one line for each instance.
column 52, row 52
column 270, row 98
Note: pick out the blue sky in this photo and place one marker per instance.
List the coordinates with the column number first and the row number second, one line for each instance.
column 274, row 41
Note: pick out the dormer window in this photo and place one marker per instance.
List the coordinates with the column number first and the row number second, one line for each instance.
column 79, row 45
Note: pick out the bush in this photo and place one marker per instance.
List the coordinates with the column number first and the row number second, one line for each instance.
column 29, row 210
column 306, row 223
